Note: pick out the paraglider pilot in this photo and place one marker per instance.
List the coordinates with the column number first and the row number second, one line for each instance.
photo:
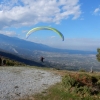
column 42, row 59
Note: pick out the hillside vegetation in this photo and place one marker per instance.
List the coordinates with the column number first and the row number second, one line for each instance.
column 12, row 59
column 4, row 61
column 74, row 86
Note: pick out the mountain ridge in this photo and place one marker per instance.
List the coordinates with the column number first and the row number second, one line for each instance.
column 19, row 59
column 31, row 52
column 13, row 44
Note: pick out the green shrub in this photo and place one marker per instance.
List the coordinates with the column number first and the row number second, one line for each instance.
column 0, row 61
column 75, row 86
column 82, row 70
column 81, row 84
column 9, row 63
column 68, row 81
column 83, row 90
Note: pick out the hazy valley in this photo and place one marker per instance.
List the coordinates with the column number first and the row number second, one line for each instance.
column 54, row 58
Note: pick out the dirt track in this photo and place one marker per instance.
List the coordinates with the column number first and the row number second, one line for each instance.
column 19, row 82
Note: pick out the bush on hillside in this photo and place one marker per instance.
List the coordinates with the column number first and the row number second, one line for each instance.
column 82, row 84
column 0, row 61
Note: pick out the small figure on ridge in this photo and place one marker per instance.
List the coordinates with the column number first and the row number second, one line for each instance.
column 42, row 59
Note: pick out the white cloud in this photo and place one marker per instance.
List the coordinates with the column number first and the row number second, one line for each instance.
column 97, row 11
column 8, row 33
column 53, row 36
column 73, row 43
column 29, row 12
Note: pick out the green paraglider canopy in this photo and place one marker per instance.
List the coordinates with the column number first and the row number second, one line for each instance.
column 45, row 28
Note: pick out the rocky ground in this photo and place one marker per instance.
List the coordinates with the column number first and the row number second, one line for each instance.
column 20, row 82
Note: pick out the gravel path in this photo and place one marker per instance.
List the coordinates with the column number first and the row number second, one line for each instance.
column 18, row 82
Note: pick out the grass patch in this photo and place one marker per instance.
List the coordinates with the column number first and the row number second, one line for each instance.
column 74, row 86
column 56, row 92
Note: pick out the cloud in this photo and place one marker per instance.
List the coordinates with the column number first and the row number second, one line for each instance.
column 97, row 11
column 52, row 36
column 74, row 43
column 30, row 12
column 8, row 33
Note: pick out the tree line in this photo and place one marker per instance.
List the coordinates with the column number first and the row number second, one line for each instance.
column 8, row 62
column 2, row 61
column 98, row 54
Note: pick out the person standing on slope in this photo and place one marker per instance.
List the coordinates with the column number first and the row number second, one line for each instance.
column 42, row 59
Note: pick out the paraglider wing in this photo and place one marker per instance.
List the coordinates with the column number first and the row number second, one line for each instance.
column 45, row 28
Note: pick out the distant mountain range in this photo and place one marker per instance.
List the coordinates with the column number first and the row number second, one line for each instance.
column 23, row 47
column 30, row 52
column 20, row 59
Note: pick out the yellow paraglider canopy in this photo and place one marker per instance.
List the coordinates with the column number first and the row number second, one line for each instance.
column 45, row 28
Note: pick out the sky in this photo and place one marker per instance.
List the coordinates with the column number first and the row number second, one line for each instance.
column 77, row 20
